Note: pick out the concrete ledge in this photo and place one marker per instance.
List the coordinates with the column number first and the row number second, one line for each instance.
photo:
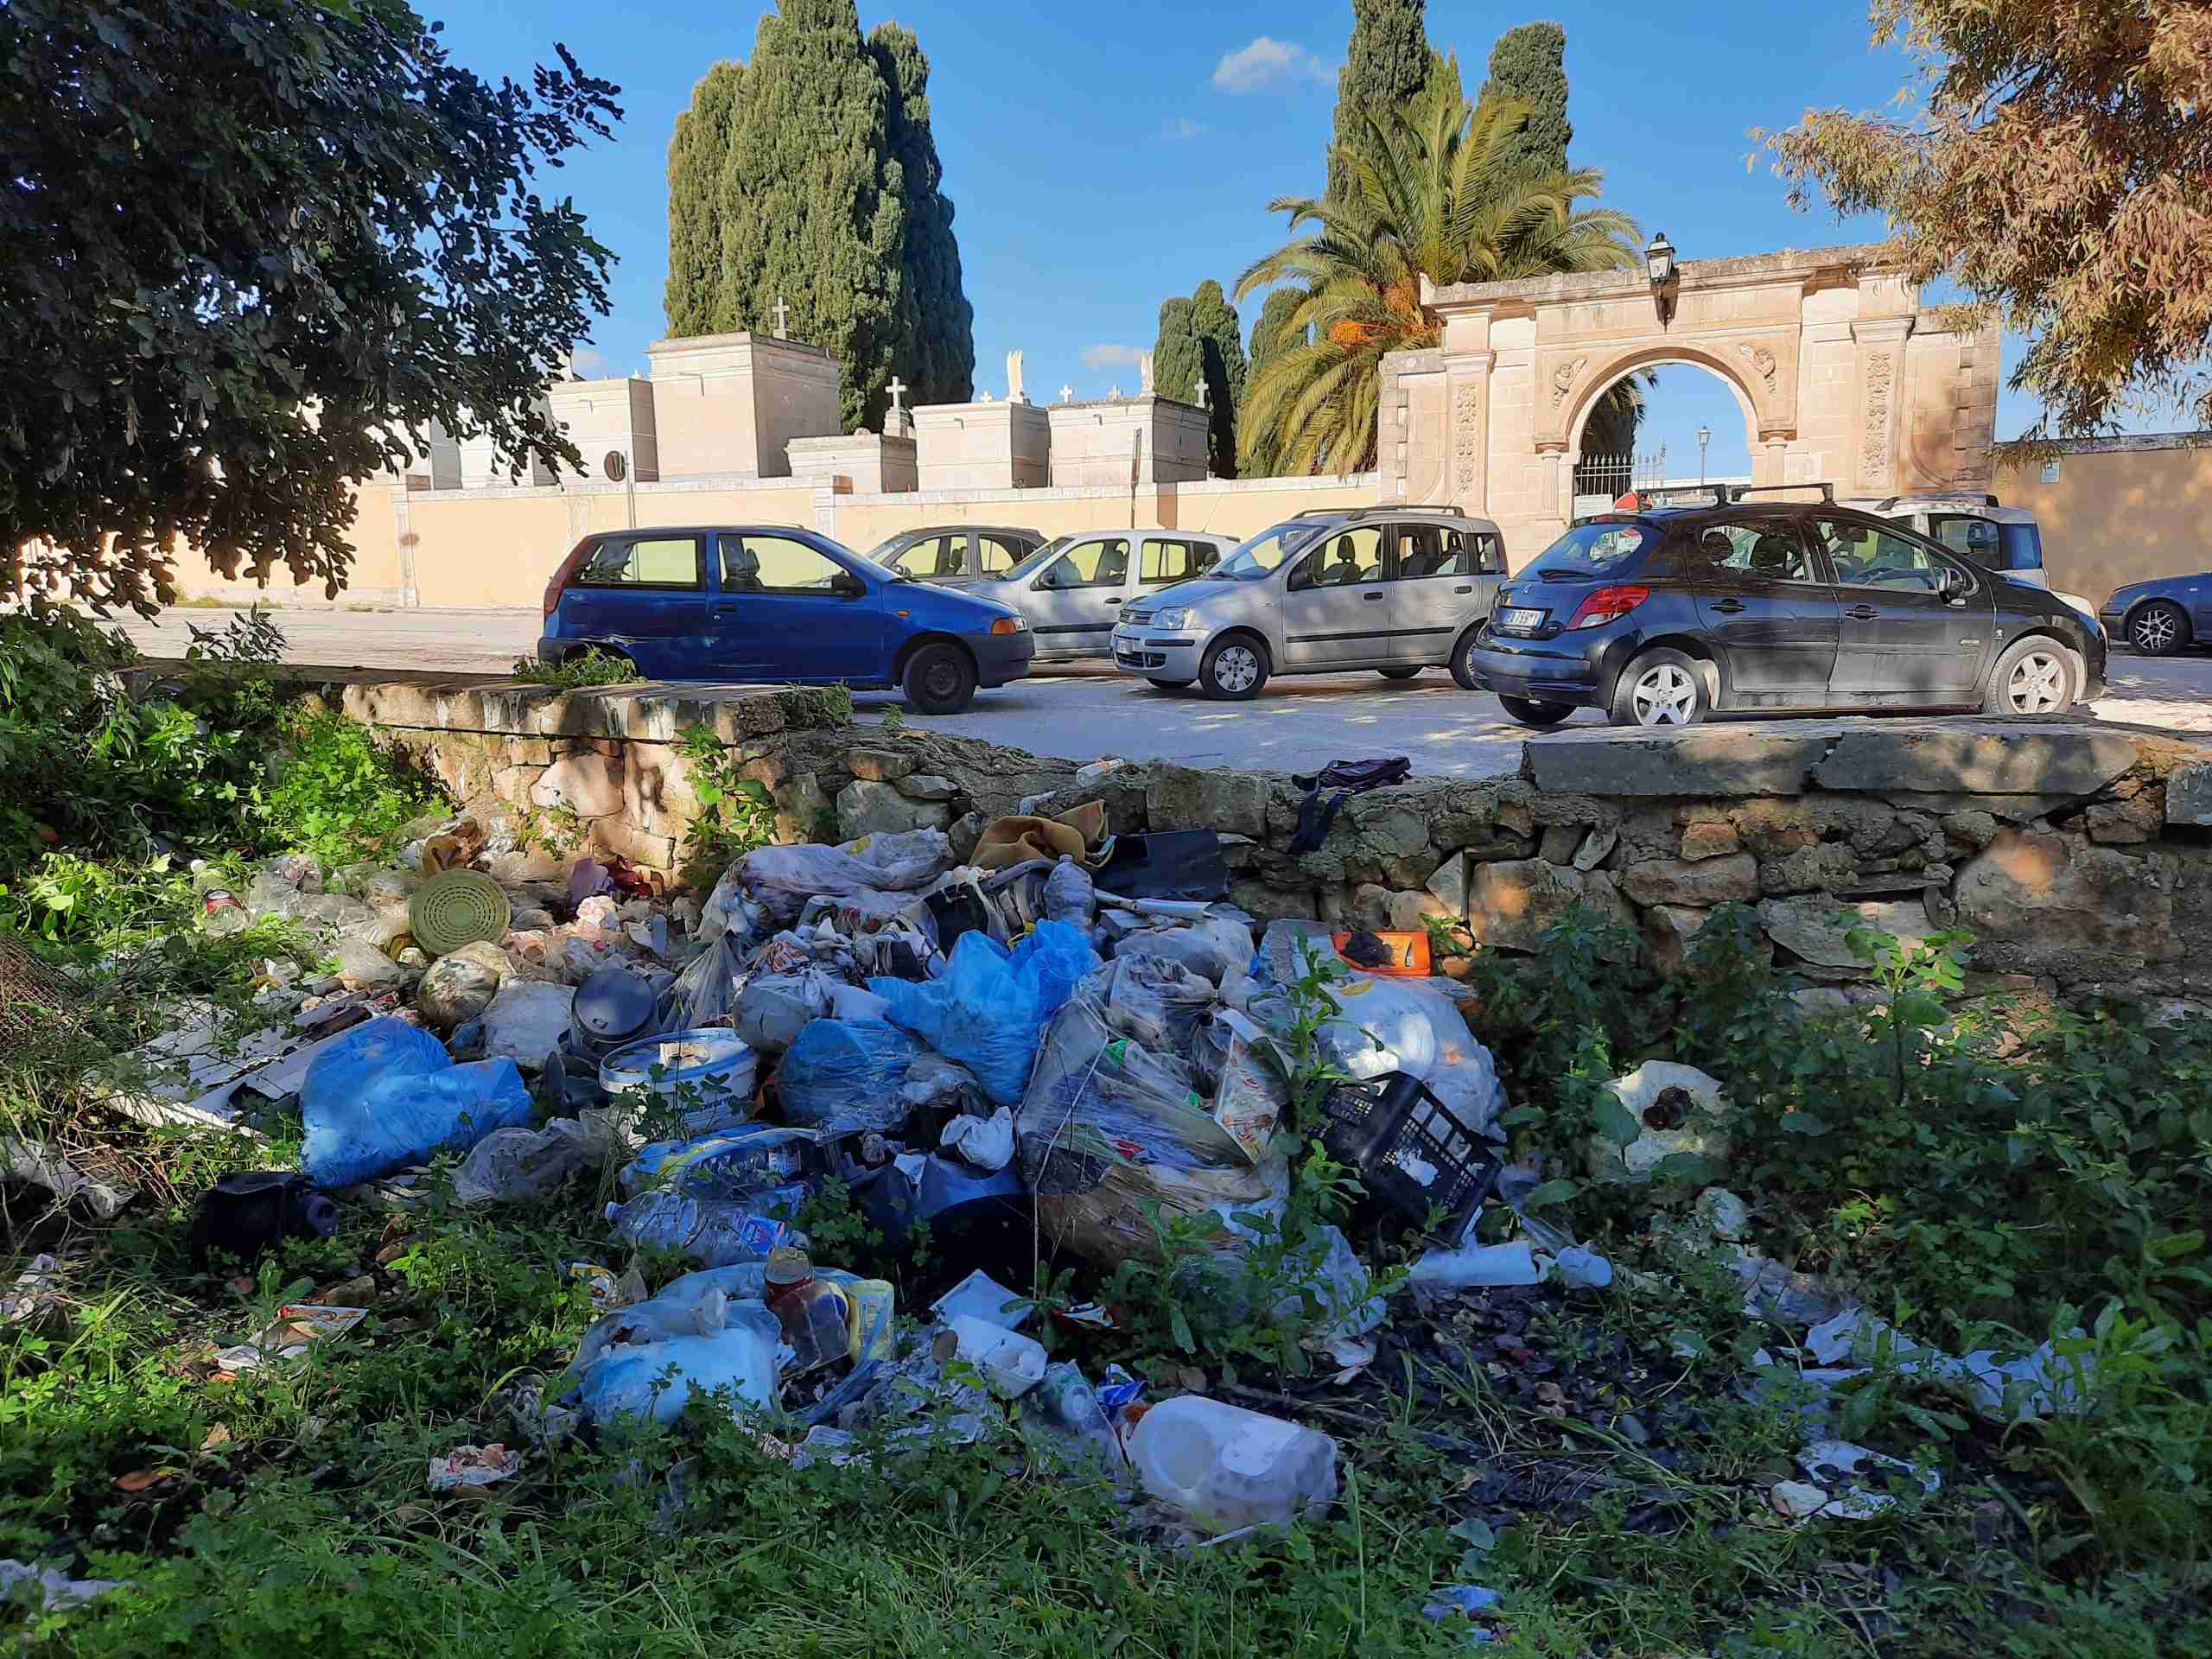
column 1761, row 760
column 1980, row 759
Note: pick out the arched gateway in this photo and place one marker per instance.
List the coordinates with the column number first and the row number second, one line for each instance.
column 1841, row 376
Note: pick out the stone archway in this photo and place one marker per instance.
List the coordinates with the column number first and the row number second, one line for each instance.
column 1844, row 379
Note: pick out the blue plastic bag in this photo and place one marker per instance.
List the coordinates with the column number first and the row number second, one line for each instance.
column 842, row 1075
column 387, row 1094
column 989, row 1010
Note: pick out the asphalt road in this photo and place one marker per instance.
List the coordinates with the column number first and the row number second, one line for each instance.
column 1296, row 724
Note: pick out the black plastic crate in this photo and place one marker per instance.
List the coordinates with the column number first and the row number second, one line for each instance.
column 1385, row 1126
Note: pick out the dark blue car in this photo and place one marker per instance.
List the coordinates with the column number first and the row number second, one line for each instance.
column 2160, row 618
column 1663, row 617
column 777, row 603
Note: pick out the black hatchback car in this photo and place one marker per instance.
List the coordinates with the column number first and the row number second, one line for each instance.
column 1664, row 616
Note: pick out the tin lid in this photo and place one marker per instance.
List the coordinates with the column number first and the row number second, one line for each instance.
column 788, row 1265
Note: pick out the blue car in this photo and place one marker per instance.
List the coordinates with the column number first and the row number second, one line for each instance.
column 2160, row 618
column 773, row 602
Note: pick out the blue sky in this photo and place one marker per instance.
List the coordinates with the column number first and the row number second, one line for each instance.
column 1103, row 158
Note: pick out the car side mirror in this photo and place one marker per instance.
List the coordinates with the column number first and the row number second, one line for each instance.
column 845, row 585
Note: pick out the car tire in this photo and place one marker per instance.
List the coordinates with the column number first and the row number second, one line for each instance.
column 1235, row 668
column 2034, row 676
column 1662, row 687
column 2159, row 629
column 1169, row 685
column 1530, row 712
column 1463, row 660
column 940, row 679
column 1397, row 673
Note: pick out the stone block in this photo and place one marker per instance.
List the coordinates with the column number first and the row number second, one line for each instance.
column 1667, row 930
column 879, row 765
column 1409, row 912
column 1463, row 814
column 1705, row 881
column 2011, row 809
column 1983, row 759
column 1971, row 829
column 801, row 807
column 2049, row 895
column 1271, row 904
column 588, row 783
column 1771, row 828
column 1511, row 906
column 1699, row 760
column 2189, row 795
column 648, row 851
column 1370, row 906
column 1448, row 886
column 927, row 787
column 1559, row 843
column 868, row 808
column 1809, row 869
column 1813, row 929
column 1182, row 797
column 2130, row 821
column 1709, row 838
column 656, row 790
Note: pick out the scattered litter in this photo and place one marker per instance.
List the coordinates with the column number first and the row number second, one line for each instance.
column 705, row 1076
column 526, row 1021
column 985, row 1143
column 1673, row 1109
column 57, row 1590
column 518, row 1166
column 846, row 1075
column 387, row 1094
column 242, row 1214
column 979, row 1296
column 989, row 1010
column 35, row 1289
column 37, row 1166
column 1010, row 1363
column 1476, row 1265
column 298, row 1326
column 1584, row 1269
column 469, row 1469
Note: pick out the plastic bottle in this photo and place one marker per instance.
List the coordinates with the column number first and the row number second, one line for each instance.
column 713, row 1232
column 1070, row 1411
column 815, row 1314
column 1011, row 1363
column 1227, row 1468
column 1474, row 1265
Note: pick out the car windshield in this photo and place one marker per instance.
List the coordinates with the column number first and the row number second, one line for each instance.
column 889, row 548
column 1037, row 561
column 2021, row 546
column 1598, row 550
column 1266, row 551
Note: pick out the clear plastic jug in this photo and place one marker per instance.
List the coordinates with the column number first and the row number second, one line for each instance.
column 1227, row 1468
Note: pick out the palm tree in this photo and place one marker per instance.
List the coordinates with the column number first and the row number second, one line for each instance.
column 1432, row 192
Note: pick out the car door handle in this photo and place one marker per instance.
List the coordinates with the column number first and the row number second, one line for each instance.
column 1862, row 613
column 1729, row 607
column 1371, row 598
column 725, row 607
column 1468, row 589
column 1113, row 601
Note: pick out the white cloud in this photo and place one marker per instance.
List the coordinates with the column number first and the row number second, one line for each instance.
column 590, row 363
column 1264, row 63
column 1105, row 357
column 1183, row 127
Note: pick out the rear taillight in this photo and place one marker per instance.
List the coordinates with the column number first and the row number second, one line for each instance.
column 561, row 578
column 1608, row 605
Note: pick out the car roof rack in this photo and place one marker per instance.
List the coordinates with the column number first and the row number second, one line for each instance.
column 1731, row 493
column 1980, row 498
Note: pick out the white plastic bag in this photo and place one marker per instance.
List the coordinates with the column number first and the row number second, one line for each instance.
column 783, row 878
column 985, row 1143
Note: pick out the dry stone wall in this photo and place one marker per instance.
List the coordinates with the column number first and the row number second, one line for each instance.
column 2078, row 855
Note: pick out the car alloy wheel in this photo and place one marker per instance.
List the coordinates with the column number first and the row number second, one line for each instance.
column 2156, row 632
column 1237, row 668
column 2039, row 684
column 1664, row 694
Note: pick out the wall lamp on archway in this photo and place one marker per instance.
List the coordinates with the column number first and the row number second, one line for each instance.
column 1659, row 264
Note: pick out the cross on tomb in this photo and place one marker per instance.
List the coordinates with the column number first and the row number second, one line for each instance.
column 1067, row 394
column 783, row 319
column 898, row 389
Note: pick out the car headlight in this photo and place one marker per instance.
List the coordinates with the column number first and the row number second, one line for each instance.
column 1175, row 616
column 1011, row 625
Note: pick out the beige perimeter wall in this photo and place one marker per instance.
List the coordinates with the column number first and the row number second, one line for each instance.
column 2119, row 510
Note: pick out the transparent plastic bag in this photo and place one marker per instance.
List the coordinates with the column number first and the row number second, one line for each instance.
column 517, row 1165
column 1159, row 1002
column 1069, row 894
column 783, row 879
column 989, row 1009
column 845, row 1075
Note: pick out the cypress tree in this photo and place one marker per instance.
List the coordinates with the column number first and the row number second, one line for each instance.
column 810, row 175
column 1177, row 362
column 935, row 317
column 1529, row 63
column 696, row 158
column 1272, row 335
column 1386, row 65
column 1221, row 356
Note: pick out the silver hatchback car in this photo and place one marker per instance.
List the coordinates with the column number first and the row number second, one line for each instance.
column 1394, row 589
column 1071, row 589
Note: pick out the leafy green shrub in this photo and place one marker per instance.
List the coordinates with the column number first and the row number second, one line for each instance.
column 735, row 812
column 338, row 793
column 579, row 671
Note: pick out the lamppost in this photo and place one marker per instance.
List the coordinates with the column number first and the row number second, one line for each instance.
column 1659, row 266
column 1704, row 437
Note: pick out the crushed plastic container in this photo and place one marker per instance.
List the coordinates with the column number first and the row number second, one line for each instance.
column 714, row 1232
column 387, row 1094
column 1227, row 1468
column 1011, row 1363
column 706, row 1075
column 1475, row 1265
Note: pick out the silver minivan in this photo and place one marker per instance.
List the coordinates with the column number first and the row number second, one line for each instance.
column 1394, row 589
column 1071, row 589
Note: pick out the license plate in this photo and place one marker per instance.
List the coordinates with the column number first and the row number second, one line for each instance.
column 1526, row 621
